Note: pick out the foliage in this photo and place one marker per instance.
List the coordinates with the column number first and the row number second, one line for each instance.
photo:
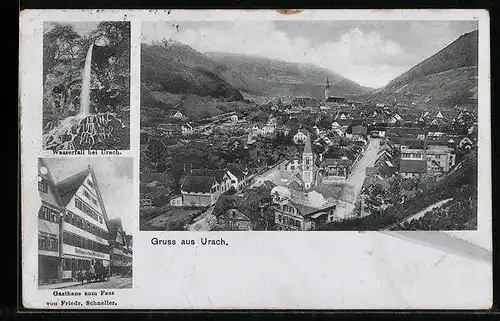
column 64, row 53
column 460, row 183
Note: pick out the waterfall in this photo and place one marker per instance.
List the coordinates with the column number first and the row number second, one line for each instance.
column 85, row 93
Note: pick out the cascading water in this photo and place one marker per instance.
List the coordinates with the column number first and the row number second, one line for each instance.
column 87, row 129
column 86, row 76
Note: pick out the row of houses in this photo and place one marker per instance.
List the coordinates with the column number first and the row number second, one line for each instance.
column 174, row 129
column 74, row 231
column 430, row 159
column 266, row 129
column 203, row 187
column 375, row 194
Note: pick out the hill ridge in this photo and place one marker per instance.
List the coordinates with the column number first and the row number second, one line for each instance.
column 448, row 77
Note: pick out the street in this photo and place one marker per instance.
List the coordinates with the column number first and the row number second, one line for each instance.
column 205, row 222
column 358, row 175
column 115, row 282
column 356, row 179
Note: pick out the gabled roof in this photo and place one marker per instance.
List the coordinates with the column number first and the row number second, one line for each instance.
column 372, row 181
column 219, row 175
column 52, row 184
column 303, row 131
column 197, row 184
column 381, row 159
column 336, row 162
column 236, row 170
column 128, row 238
column 325, row 191
column 69, row 186
column 173, row 112
column 169, row 126
column 295, row 185
column 334, row 99
column 99, row 196
column 304, row 209
column 359, row 129
column 115, row 225
column 234, row 213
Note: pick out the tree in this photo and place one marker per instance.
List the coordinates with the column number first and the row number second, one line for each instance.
column 59, row 41
column 156, row 151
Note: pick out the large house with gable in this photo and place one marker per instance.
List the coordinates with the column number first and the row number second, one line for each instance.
column 85, row 229
column 120, row 248
column 50, row 215
column 203, row 187
column 73, row 230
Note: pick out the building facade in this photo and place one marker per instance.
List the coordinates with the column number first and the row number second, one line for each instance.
column 295, row 212
column 49, row 228
column 120, row 249
column 336, row 169
column 73, row 232
column 84, row 229
column 200, row 191
column 439, row 159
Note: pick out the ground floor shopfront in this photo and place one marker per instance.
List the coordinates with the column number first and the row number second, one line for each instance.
column 121, row 261
column 76, row 259
column 49, row 269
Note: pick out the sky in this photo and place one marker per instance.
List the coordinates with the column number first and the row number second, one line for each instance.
column 371, row 53
column 114, row 177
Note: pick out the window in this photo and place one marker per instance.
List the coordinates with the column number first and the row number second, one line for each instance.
column 42, row 185
column 47, row 214
column 85, row 208
column 89, row 182
column 86, row 194
column 48, row 243
column 94, row 201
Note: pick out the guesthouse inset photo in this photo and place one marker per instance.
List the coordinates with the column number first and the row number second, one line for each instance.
column 85, row 223
column 86, row 85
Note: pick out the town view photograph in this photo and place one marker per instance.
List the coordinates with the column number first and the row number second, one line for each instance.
column 308, row 125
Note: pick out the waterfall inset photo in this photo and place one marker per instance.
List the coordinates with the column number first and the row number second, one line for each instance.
column 86, row 85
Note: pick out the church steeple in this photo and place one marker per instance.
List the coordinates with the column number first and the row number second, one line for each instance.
column 327, row 89
column 307, row 147
column 307, row 164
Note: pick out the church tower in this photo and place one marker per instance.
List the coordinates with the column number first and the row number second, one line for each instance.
column 327, row 89
column 307, row 164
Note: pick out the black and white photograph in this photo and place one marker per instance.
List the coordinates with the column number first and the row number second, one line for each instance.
column 309, row 125
column 85, row 223
column 152, row 140
column 86, row 85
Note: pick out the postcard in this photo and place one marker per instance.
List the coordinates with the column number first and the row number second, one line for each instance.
column 255, row 159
